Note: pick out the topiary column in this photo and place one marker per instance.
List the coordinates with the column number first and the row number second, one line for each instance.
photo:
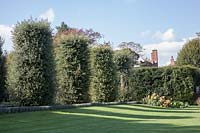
column 103, row 80
column 72, row 68
column 2, row 72
column 32, row 81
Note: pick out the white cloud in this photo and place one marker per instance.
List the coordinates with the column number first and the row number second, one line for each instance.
column 49, row 15
column 165, row 42
column 168, row 35
column 5, row 33
column 166, row 49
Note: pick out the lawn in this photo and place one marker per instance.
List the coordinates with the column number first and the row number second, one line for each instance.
column 105, row 119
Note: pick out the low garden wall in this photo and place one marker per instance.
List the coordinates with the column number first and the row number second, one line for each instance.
column 7, row 109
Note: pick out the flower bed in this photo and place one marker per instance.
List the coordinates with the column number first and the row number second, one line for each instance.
column 163, row 101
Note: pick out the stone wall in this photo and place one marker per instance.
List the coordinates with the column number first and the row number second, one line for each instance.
column 7, row 109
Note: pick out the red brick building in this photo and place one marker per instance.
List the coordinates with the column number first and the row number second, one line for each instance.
column 154, row 58
column 172, row 62
column 153, row 62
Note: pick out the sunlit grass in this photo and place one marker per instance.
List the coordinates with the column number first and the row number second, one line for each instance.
column 102, row 119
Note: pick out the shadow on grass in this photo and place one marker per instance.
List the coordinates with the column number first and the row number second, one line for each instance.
column 121, row 114
column 103, row 121
column 93, row 120
column 146, row 108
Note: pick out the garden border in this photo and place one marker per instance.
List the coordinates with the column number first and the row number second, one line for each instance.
column 5, row 109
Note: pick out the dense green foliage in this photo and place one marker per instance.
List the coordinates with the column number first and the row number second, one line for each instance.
column 1, row 85
column 10, row 74
column 72, row 69
column 190, row 53
column 125, row 60
column 177, row 82
column 136, row 118
column 30, row 81
column 103, row 79
column 2, row 72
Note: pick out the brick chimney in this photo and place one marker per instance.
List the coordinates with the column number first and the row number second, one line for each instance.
column 172, row 63
column 154, row 57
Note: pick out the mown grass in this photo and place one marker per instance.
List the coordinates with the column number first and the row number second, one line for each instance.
column 105, row 119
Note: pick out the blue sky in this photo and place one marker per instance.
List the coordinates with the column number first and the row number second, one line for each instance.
column 156, row 24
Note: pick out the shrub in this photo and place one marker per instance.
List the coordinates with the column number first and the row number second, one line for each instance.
column 72, row 69
column 103, row 76
column 31, row 78
column 163, row 101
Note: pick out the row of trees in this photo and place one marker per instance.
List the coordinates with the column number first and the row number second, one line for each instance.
column 66, row 68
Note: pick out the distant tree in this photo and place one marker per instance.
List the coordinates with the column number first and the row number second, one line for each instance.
column 2, row 71
column 92, row 35
column 63, row 27
column 190, row 53
column 125, row 61
column 89, row 33
column 136, row 47
column 32, row 82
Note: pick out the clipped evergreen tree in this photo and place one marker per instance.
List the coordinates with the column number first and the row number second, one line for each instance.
column 32, row 82
column 103, row 74
column 10, row 72
column 72, row 68
column 2, row 71
column 190, row 53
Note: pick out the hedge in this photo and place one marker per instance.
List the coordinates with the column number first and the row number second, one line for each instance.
column 176, row 82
